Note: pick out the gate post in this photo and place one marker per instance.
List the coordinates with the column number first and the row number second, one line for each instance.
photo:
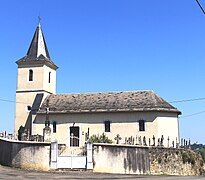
column 89, row 164
column 54, row 154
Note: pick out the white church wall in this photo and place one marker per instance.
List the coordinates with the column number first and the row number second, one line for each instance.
column 124, row 124
column 50, row 87
column 168, row 127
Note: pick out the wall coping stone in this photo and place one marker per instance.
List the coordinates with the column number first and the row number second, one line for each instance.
column 25, row 142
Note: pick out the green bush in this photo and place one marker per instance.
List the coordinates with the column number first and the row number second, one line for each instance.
column 188, row 157
column 100, row 139
column 202, row 152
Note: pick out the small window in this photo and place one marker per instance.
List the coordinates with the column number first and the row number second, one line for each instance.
column 29, row 108
column 30, row 75
column 107, row 126
column 54, row 127
column 49, row 77
column 141, row 125
column 74, row 136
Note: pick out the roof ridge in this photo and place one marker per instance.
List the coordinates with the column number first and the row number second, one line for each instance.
column 105, row 92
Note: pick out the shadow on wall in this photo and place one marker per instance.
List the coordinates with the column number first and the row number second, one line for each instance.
column 28, row 155
column 35, row 107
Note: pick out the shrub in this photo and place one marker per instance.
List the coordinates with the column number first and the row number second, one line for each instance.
column 100, row 139
column 202, row 152
column 20, row 132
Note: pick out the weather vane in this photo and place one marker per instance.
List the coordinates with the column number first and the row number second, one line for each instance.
column 200, row 6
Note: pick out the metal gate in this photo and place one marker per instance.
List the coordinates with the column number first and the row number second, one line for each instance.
column 71, row 161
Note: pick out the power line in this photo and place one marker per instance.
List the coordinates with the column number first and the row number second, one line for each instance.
column 188, row 100
column 200, row 6
column 194, row 114
column 6, row 100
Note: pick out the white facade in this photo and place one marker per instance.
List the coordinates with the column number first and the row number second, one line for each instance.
column 125, row 124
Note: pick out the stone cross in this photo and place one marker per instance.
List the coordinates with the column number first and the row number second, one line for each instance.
column 144, row 141
column 136, row 140
column 173, row 144
column 140, row 141
column 168, row 142
column 118, row 138
column 125, row 140
column 177, row 144
column 1, row 134
column 10, row 136
column 153, row 138
column 161, row 142
column 129, row 140
column 158, row 142
column 133, row 141
column 181, row 142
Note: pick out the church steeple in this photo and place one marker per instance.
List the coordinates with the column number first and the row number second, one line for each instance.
column 38, row 46
column 38, row 50
column 36, row 79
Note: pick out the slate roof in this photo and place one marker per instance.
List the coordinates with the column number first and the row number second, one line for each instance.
column 38, row 50
column 107, row 102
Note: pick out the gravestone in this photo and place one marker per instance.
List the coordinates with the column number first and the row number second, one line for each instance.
column 144, row 141
column 136, row 140
column 162, row 141
column 118, row 138
column 168, row 141
column 173, row 144
column 140, row 140
column 47, row 134
column 153, row 138
column 1, row 134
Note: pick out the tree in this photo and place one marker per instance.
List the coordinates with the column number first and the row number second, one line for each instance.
column 20, row 132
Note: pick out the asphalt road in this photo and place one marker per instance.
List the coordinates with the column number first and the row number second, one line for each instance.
column 13, row 173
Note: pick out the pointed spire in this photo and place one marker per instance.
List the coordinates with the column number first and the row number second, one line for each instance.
column 38, row 48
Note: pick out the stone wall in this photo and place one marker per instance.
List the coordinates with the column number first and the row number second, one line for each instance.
column 121, row 159
column 27, row 155
column 172, row 161
column 125, row 159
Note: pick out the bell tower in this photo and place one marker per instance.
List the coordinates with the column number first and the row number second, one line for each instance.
column 36, row 79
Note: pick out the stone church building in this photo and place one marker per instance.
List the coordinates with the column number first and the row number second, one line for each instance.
column 134, row 113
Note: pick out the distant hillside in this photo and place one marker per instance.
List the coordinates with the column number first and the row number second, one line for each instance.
column 197, row 146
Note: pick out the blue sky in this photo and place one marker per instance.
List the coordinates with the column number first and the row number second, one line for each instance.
column 112, row 45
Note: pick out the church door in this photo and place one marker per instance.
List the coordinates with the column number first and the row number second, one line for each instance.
column 74, row 136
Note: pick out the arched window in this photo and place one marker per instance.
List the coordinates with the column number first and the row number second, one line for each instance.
column 141, row 125
column 49, row 77
column 54, row 127
column 30, row 75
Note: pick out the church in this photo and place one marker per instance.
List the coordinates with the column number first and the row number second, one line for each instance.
column 79, row 116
